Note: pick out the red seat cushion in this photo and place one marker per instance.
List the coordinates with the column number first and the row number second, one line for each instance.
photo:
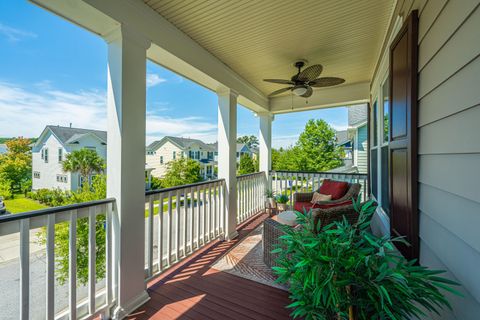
column 336, row 189
column 300, row 206
column 331, row 205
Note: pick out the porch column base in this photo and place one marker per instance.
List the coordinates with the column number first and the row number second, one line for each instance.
column 232, row 235
column 121, row 312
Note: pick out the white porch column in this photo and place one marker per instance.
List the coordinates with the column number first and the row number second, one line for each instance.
column 227, row 159
column 126, row 164
column 265, row 147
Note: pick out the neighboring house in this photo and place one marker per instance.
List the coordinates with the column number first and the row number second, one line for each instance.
column 354, row 141
column 50, row 150
column 159, row 153
column 3, row 148
column 52, row 147
column 242, row 149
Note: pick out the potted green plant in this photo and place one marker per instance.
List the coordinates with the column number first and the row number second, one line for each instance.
column 343, row 271
column 282, row 200
column 270, row 195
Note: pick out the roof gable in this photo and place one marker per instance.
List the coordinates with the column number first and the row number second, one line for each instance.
column 67, row 135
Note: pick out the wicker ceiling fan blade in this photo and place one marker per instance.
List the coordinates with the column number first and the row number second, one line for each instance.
column 308, row 93
column 310, row 73
column 326, row 82
column 281, row 81
column 280, row 91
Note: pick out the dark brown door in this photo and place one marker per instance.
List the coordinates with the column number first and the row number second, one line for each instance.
column 403, row 137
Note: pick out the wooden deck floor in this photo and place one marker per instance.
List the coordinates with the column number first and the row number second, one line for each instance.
column 195, row 291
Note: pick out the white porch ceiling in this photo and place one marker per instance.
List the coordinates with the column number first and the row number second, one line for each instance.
column 261, row 39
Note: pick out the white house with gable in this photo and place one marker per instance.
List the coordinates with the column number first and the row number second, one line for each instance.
column 50, row 150
column 161, row 152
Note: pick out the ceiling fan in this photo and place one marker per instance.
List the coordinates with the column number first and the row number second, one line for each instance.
column 301, row 83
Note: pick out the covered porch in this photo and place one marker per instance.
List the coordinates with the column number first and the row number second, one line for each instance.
column 160, row 267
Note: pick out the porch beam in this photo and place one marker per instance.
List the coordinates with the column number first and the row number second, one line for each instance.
column 349, row 94
column 126, row 113
column 265, row 147
column 227, row 156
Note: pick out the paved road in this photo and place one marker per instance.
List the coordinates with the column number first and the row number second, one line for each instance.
column 10, row 277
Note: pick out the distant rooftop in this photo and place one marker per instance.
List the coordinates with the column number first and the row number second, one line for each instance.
column 68, row 135
column 183, row 143
column 3, row 148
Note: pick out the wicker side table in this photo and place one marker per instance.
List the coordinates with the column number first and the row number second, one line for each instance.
column 272, row 230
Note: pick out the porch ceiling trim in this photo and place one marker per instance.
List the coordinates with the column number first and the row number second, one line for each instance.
column 170, row 48
column 323, row 98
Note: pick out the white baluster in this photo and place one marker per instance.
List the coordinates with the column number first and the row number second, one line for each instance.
column 24, row 268
column 72, row 265
column 91, row 258
column 50, row 257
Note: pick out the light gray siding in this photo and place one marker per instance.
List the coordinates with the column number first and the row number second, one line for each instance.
column 361, row 152
column 449, row 146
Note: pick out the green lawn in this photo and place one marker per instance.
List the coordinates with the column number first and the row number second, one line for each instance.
column 21, row 204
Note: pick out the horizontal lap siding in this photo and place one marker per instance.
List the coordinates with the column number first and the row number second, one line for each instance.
column 449, row 146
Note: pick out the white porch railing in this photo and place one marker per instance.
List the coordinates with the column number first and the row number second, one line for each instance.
column 250, row 195
column 184, row 219
column 99, row 297
column 289, row 182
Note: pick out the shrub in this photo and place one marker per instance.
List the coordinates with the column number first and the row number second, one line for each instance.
column 5, row 189
column 343, row 271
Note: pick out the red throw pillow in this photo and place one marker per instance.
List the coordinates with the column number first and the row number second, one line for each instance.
column 331, row 205
column 336, row 189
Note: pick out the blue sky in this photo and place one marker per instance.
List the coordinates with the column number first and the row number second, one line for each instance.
column 53, row 72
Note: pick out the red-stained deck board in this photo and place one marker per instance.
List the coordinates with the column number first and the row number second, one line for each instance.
column 193, row 290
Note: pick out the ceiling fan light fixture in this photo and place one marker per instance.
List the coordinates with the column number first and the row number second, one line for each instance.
column 299, row 90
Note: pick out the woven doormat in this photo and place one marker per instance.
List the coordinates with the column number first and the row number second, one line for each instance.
column 246, row 260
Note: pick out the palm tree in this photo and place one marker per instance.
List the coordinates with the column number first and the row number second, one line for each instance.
column 85, row 162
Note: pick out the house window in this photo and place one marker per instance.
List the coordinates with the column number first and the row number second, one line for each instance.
column 197, row 155
column 174, row 155
column 42, row 152
column 384, row 171
column 62, row 178
column 60, row 154
column 375, row 124
column 161, row 159
column 374, row 154
column 45, row 155
column 36, row 175
column 190, row 154
column 209, row 170
column 81, row 181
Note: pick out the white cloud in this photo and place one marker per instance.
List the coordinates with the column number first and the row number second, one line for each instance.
column 14, row 35
column 187, row 127
column 154, row 79
column 26, row 113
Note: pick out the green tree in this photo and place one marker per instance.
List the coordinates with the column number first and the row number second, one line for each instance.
column 286, row 159
column 317, row 147
column 181, row 171
column 246, row 165
column 85, row 162
column 250, row 141
column 16, row 163
column 97, row 191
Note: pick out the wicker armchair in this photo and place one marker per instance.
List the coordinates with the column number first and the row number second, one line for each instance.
column 272, row 229
column 352, row 193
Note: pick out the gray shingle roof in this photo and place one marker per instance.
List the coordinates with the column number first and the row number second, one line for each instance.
column 3, row 148
column 342, row 137
column 67, row 135
column 239, row 146
column 183, row 143
column 357, row 114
